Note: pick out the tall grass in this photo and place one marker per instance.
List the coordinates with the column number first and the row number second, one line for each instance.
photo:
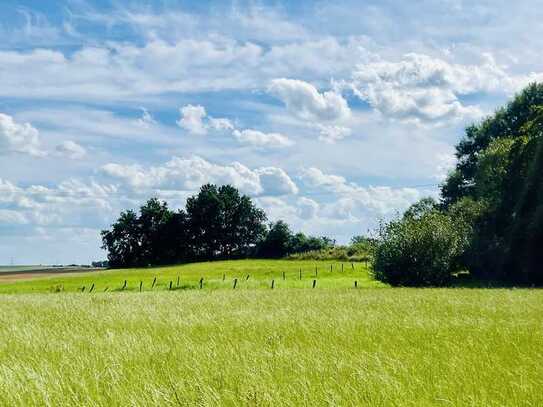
column 408, row 347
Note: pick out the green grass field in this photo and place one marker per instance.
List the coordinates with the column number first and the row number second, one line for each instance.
column 292, row 346
column 260, row 272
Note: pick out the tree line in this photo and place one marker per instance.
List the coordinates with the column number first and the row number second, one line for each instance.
column 217, row 223
column 489, row 219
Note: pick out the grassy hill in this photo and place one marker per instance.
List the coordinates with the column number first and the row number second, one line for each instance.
column 294, row 345
column 216, row 275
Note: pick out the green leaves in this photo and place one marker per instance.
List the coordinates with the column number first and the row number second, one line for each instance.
column 420, row 249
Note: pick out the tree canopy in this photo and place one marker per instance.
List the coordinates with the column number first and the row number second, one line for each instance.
column 494, row 198
column 216, row 223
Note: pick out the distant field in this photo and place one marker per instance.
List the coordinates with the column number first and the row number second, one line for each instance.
column 287, row 347
column 216, row 275
column 10, row 269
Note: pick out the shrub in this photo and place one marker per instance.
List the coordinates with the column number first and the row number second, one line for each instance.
column 420, row 249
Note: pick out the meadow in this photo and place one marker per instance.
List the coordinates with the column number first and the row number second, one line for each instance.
column 249, row 274
column 293, row 345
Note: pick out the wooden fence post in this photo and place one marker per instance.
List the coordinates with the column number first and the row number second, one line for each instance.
column 201, row 282
column 314, row 283
column 247, row 278
column 272, row 284
column 141, row 285
column 284, row 277
column 83, row 289
column 300, row 274
column 355, row 284
column 124, row 285
column 92, row 288
column 170, row 284
column 154, row 282
column 223, row 276
column 235, row 283
column 177, row 281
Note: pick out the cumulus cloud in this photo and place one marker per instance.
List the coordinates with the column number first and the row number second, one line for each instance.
column 259, row 139
column 120, row 71
column 307, row 208
column 424, row 89
column 18, row 138
column 71, row 149
column 195, row 120
column 192, row 119
column 304, row 100
column 191, row 173
column 353, row 201
column 71, row 202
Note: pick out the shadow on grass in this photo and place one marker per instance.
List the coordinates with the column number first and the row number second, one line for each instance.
column 466, row 280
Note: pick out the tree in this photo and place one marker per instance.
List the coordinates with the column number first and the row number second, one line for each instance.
column 420, row 249
column 222, row 222
column 497, row 181
column 204, row 212
column 523, row 256
column 506, row 122
column 123, row 241
column 156, row 243
column 277, row 242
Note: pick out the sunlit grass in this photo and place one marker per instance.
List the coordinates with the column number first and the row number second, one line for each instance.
column 249, row 274
column 293, row 345
column 404, row 347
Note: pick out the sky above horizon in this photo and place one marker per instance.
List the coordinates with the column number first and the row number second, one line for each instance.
column 330, row 115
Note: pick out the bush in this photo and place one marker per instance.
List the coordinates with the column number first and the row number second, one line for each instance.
column 420, row 249
column 351, row 253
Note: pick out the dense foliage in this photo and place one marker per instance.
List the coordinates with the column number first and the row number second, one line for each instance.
column 420, row 249
column 499, row 176
column 217, row 223
column 359, row 249
column 281, row 242
column 494, row 197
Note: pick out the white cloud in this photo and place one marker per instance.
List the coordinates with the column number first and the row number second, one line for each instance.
column 304, row 100
column 195, row 120
column 333, row 134
column 10, row 217
column 424, row 89
column 307, row 208
column 275, row 181
column 18, row 138
column 192, row 119
column 220, row 124
column 190, row 173
column 354, row 201
column 71, row 149
column 71, row 202
column 146, row 120
column 259, row 139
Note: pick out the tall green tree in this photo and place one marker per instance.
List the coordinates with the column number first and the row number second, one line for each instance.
column 123, row 241
column 497, row 182
column 507, row 122
column 223, row 222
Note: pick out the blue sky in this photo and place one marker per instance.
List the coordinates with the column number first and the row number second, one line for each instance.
column 331, row 115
